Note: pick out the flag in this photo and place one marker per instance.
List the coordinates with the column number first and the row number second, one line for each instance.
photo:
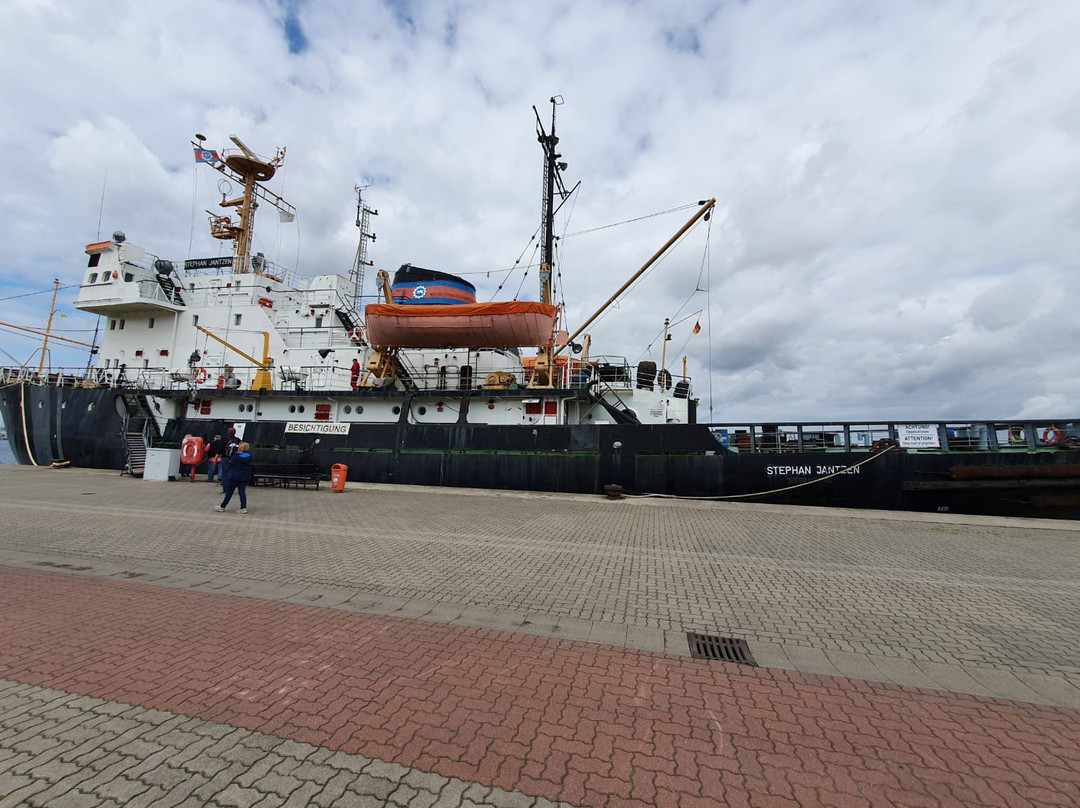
column 206, row 156
column 285, row 216
column 697, row 326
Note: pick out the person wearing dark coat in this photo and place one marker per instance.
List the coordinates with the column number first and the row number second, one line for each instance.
column 237, row 477
column 214, row 450
column 227, row 452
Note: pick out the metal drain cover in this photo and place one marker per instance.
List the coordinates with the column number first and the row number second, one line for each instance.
column 713, row 646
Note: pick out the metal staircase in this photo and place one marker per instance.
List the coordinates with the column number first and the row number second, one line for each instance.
column 165, row 272
column 135, row 443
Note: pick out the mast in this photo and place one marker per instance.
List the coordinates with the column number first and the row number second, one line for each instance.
column 249, row 170
column 542, row 376
column 48, row 326
column 363, row 221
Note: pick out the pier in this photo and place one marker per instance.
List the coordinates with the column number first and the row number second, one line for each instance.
column 416, row 646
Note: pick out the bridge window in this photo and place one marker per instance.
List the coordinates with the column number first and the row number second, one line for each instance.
column 92, row 278
column 194, row 319
column 112, row 325
column 151, row 323
column 236, row 319
column 93, row 262
column 122, row 324
column 129, row 277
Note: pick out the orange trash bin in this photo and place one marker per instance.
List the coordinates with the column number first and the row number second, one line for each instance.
column 338, row 472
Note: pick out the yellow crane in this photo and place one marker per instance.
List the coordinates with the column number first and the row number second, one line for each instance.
column 262, row 380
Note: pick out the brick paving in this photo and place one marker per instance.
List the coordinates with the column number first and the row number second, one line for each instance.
column 992, row 594
column 395, row 646
column 587, row 724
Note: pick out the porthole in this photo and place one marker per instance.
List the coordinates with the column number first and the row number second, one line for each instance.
column 239, row 407
column 397, row 410
column 250, row 407
column 90, row 407
column 359, row 409
column 63, row 405
column 421, row 410
column 300, row 408
column 292, row 408
column 348, row 409
column 40, row 404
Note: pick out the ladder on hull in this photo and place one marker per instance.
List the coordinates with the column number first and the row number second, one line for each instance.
column 135, row 452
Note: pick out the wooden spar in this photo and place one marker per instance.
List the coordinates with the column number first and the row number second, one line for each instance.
column 48, row 325
column 705, row 208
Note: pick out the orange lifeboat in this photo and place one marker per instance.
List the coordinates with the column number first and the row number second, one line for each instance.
column 514, row 324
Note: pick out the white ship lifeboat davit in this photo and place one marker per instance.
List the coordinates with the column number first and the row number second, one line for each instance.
column 518, row 323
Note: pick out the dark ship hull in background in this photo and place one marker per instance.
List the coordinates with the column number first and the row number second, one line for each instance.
column 1024, row 477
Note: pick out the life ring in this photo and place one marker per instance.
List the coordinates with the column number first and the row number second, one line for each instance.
column 1051, row 435
column 356, row 335
column 200, row 375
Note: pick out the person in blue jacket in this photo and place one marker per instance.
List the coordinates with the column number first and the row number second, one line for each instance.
column 238, row 476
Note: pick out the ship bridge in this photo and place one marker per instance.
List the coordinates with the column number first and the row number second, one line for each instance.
column 122, row 278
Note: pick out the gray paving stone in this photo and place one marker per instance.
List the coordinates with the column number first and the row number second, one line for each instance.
column 1003, row 684
column 902, row 672
column 855, row 666
column 645, row 639
column 953, row 678
column 1058, row 690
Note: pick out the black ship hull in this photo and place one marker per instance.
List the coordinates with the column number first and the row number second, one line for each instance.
column 86, row 427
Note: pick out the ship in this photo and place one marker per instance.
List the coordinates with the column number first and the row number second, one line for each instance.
column 428, row 386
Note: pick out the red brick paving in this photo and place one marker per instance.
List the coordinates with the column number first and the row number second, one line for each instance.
column 592, row 725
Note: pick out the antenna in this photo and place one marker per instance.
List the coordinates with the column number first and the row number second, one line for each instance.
column 243, row 148
column 101, row 207
column 363, row 221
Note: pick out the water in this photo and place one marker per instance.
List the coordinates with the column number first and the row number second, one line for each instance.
column 6, row 455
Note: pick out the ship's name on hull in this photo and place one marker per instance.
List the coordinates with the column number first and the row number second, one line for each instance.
column 316, row 428
column 808, row 471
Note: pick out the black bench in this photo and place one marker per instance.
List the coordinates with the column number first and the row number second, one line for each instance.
column 286, row 475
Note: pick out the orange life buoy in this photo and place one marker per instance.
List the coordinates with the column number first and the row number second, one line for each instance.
column 191, row 450
column 201, row 375
column 115, row 274
column 1051, row 435
column 356, row 335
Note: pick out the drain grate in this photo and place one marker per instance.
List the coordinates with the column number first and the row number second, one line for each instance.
column 712, row 646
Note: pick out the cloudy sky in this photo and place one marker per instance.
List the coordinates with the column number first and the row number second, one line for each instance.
column 897, row 231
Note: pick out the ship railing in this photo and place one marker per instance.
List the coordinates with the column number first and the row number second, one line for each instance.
column 1014, row 435
column 259, row 266
column 52, row 377
column 151, row 290
column 318, row 337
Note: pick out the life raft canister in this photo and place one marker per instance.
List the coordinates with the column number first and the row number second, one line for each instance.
column 191, row 450
column 1051, row 435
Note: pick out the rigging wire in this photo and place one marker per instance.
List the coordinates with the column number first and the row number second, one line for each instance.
column 631, row 221
column 42, row 292
column 707, row 260
column 194, row 199
column 649, row 271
